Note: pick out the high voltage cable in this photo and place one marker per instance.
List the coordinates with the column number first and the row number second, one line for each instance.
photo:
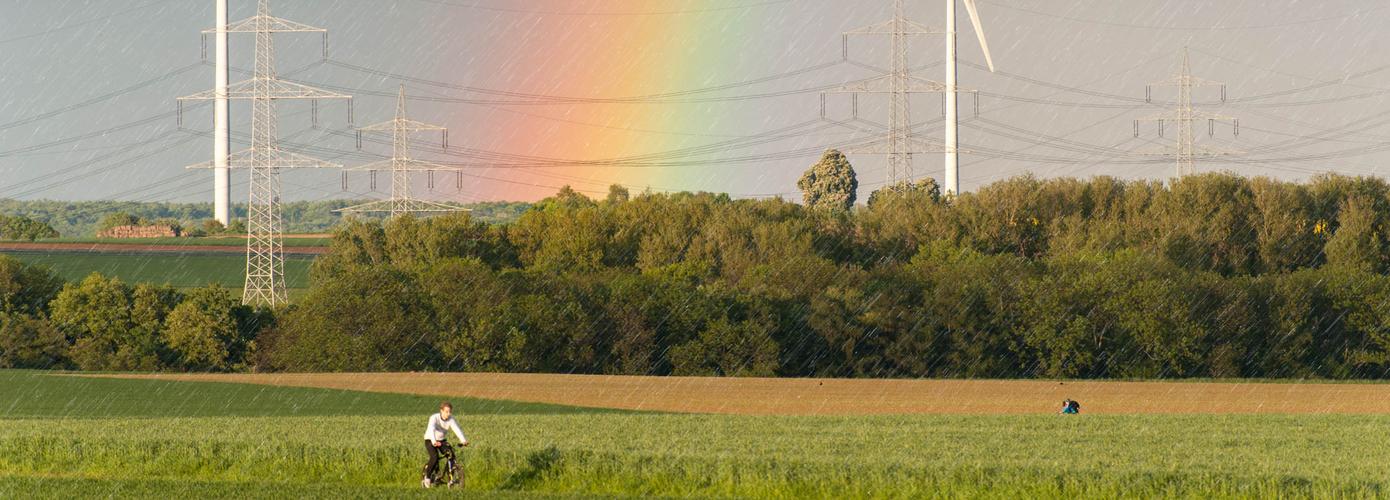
column 125, row 91
column 554, row 99
column 757, row 139
column 476, row 5
column 124, row 163
column 92, row 161
column 524, row 98
column 1118, row 97
column 656, row 159
column 1183, row 28
column 1321, row 132
column 552, row 102
column 1039, row 138
column 100, row 98
column 97, row 133
column 1072, row 89
column 457, row 151
column 120, row 163
column 84, row 23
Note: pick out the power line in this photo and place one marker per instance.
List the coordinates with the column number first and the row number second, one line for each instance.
column 524, row 98
column 100, row 98
column 1098, row 22
column 477, row 6
column 98, row 133
column 84, row 23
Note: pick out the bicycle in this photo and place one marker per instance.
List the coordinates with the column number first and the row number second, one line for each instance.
column 448, row 469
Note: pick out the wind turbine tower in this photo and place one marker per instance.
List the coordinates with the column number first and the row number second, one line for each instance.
column 221, row 131
column 953, row 88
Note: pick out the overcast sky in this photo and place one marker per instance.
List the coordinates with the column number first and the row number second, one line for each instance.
column 88, row 88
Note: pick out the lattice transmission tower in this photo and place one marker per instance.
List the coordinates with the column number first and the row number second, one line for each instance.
column 1185, row 150
column 401, row 165
column 265, row 276
column 900, row 143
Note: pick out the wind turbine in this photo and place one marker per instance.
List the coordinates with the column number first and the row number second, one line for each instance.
column 952, row 116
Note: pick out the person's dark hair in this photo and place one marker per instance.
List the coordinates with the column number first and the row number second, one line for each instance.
column 446, row 404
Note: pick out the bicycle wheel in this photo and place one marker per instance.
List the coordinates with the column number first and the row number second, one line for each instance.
column 455, row 476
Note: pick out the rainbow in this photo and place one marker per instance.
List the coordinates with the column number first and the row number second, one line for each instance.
column 603, row 57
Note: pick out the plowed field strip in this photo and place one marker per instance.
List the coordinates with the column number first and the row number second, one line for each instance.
column 765, row 396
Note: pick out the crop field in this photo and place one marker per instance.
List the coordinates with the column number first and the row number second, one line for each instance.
column 182, row 270
column 290, row 240
column 133, row 438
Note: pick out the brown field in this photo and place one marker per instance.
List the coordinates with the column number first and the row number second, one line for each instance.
column 764, row 396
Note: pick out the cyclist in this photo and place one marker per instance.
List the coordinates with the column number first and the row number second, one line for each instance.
column 1070, row 407
column 435, row 438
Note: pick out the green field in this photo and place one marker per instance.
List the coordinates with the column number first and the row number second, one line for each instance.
column 213, row 241
column 62, row 436
column 180, row 270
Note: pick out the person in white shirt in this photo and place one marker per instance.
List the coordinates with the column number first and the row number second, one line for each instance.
column 435, row 437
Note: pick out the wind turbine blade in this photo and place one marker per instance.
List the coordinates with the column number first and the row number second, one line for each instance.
column 979, row 31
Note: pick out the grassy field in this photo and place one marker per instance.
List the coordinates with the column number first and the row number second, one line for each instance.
column 134, row 438
column 179, row 270
column 289, row 241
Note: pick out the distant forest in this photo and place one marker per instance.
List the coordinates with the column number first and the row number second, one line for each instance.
column 1211, row 275
column 81, row 219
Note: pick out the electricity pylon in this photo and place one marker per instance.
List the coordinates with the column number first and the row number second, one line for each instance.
column 899, row 84
column 1186, row 152
column 265, row 275
column 401, row 165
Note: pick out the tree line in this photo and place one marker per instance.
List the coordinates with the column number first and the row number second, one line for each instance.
column 76, row 219
column 101, row 323
column 24, row 229
column 1211, row 275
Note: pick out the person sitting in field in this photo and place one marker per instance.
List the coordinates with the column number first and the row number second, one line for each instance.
column 436, row 437
column 1070, row 407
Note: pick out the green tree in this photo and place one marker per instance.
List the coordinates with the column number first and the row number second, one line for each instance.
column 356, row 243
column 115, row 219
column 1286, row 230
column 113, row 327
column 830, row 184
column 213, row 226
column 902, row 217
column 465, row 293
column 364, row 319
column 1359, row 240
column 970, row 299
column 728, row 348
column 1204, row 222
column 24, row 228
column 922, row 190
column 26, row 289
column 29, row 342
column 207, row 330
column 617, row 193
